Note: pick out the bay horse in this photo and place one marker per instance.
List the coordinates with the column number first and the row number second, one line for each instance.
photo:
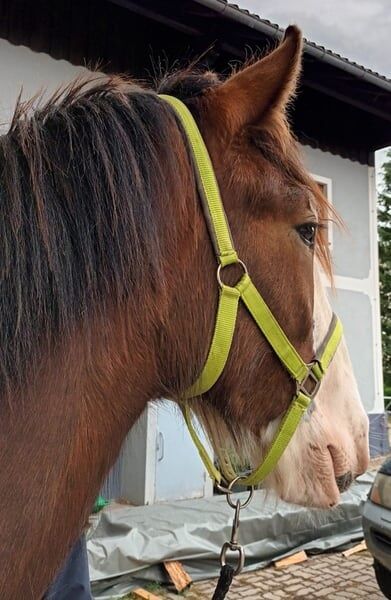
column 108, row 295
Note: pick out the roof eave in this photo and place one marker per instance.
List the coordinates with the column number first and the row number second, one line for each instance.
column 274, row 32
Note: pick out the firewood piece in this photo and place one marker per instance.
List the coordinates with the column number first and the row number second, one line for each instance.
column 178, row 575
column 293, row 559
column 354, row 549
column 144, row 595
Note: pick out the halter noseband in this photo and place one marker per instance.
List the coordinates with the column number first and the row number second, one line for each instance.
column 307, row 376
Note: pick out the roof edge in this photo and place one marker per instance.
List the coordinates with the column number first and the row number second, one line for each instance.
column 274, row 31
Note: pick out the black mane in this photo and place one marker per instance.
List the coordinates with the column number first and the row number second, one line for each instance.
column 81, row 186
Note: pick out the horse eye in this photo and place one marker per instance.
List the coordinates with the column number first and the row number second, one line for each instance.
column 307, row 233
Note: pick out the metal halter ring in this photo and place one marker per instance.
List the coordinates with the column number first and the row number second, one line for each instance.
column 233, row 548
column 228, row 491
column 220, row 267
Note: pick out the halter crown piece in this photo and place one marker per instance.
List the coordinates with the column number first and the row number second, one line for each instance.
column 307, row 376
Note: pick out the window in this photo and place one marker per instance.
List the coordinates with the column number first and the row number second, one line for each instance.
column 325, row 185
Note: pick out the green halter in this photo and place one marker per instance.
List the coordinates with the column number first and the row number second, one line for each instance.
column 306, row 376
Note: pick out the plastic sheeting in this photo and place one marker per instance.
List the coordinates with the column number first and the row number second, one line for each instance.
column 130, row 543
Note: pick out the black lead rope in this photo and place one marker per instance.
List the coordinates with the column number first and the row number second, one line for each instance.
column 224, row 583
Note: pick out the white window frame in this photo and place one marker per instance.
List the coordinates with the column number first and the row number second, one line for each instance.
column 328, row 184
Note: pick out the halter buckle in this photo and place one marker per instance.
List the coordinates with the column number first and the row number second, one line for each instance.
column 309, row 380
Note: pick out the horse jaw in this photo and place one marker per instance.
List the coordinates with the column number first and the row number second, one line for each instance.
column 330, row 448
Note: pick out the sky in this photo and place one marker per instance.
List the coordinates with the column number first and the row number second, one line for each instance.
column 357, row 29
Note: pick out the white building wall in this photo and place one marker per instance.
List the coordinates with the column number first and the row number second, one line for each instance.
column 27, row 72
column 356, row 267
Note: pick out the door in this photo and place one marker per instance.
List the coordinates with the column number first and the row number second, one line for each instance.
column 180, row 473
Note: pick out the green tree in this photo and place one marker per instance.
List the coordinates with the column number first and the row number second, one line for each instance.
column 384, row 229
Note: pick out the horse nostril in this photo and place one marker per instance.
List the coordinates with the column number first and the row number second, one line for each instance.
column 344, row 481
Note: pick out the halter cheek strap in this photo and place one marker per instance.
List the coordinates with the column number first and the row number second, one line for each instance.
column 307, row 376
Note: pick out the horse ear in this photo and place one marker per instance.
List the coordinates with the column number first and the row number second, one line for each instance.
column 248, row 96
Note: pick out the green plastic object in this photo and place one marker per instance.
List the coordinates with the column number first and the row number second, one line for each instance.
column 100, row 504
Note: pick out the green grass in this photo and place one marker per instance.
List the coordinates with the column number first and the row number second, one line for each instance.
column 154, row 587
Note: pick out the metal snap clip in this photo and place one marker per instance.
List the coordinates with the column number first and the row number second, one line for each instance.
column 233, row 544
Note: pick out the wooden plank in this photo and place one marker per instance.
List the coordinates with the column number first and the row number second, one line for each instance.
column 178, row 575
column 293, row 559
column 358, row 548
column 144, row 595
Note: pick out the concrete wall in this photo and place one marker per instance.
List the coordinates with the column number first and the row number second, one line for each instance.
column 350, row 196
column 355, row 260
column 22, row 70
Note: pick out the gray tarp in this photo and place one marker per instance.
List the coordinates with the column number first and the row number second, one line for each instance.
column 130, row 543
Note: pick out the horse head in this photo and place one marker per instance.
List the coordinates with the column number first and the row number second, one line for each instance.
column 278, row 218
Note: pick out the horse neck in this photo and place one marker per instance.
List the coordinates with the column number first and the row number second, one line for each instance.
column 58, row 438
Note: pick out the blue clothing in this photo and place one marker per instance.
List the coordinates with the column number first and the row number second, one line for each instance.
column 73, row 581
